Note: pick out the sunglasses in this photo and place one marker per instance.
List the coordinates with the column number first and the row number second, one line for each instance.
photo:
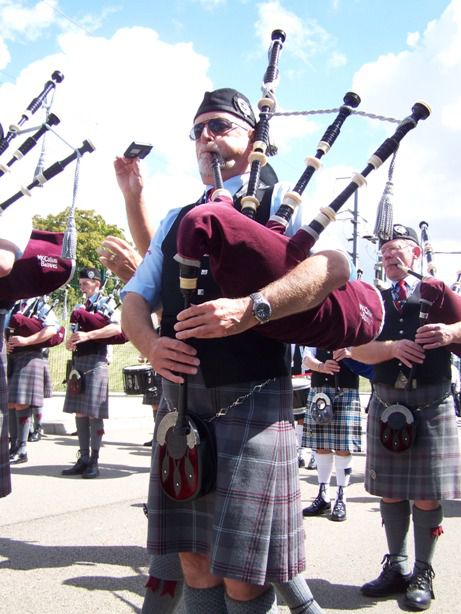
column 216, row 126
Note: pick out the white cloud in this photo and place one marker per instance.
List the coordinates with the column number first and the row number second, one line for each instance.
column 413, row 39
column 17, row 21
column 307, row 37
column 5, row 56
column 113, row 97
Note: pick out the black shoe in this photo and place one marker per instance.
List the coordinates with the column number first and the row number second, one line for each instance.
column 301, row 462
column 13, row 451
column 419, row 593
column 34, row 436
column 148, row 444
column 92, row 470
column 319, row 506
column 338, row 513
column 19, row 458
column 389, row 582
column 76, row 469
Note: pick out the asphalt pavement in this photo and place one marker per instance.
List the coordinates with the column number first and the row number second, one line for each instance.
column 77, row 546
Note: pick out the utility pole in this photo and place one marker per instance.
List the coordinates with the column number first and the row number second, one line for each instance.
column 355, row 224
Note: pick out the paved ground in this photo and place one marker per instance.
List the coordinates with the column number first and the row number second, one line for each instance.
column 76, row 546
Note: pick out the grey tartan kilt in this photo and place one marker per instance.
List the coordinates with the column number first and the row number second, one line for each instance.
column 29, row 380
column 251, row 527
column 5, row 477
column 431, row 468
column 94, row 400
column 344, row 432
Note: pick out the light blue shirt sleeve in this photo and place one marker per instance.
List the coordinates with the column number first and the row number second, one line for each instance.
column 148, row 277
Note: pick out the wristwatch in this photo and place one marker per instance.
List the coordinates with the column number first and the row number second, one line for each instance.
column 262, row 310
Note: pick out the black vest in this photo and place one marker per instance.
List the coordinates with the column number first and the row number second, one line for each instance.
column 345, row 378
column 239, row 358
column 403, row 325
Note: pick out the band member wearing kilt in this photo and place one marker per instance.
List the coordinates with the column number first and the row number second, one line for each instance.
column 412, row 439
column 89, row 359
column 15, row 231
column 233, row 541
column 332, row 427
column 31, row 326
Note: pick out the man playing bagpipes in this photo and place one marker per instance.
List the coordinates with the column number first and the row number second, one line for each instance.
column 94, row 326
column 32, row 327
column 412, row 439
column 256, row 440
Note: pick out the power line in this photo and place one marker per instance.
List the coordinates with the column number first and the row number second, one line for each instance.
column 69, row 19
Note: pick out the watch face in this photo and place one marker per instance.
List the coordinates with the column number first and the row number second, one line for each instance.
column 261, row 308
column 262, row 311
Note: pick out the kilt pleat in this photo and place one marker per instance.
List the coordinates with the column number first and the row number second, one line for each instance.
column 29, row 380
column 251, row 526
column 5, row 476
column 344, row 432
column 431, row 468
column 94, row 400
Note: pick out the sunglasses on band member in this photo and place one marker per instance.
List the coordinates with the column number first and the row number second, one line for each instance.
column 217, row 126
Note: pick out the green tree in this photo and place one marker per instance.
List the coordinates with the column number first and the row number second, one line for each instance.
column 92, row 229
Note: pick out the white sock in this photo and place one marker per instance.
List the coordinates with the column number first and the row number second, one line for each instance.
column 324, row 470
column 343, row 467
column 299, row 434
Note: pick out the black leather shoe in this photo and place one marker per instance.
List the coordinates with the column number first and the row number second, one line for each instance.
column 389, row 582
column 419, row 593
column 34, row 436
column 76, row 469
column 338, row 513
column 92, row 470
column 148, row 444
column 19, row 458
column 319, row 506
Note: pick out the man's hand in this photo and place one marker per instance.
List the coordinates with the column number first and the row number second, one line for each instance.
column 118, row 256
column 129, row 178
column 219, row 318
column 75, row 338
column 431, row 336
column 170, row 357
column 16, row 341
column 342, row 353
column 408, row 352
column 330, row 367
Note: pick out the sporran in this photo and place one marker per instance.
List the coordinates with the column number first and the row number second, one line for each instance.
column 397, row 428
column 187, row 457
column 321, row 409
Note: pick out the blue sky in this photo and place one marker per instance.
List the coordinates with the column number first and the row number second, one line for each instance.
column 137, row 70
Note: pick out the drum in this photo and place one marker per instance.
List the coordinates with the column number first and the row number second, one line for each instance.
column 153, row 394
column 301, row 385
column 137, row 379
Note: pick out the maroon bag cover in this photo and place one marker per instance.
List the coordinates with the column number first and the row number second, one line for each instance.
column 40, row 270
column 88, row 320
column 25, row 327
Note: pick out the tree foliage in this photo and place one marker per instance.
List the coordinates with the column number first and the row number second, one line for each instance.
column 92, row 229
